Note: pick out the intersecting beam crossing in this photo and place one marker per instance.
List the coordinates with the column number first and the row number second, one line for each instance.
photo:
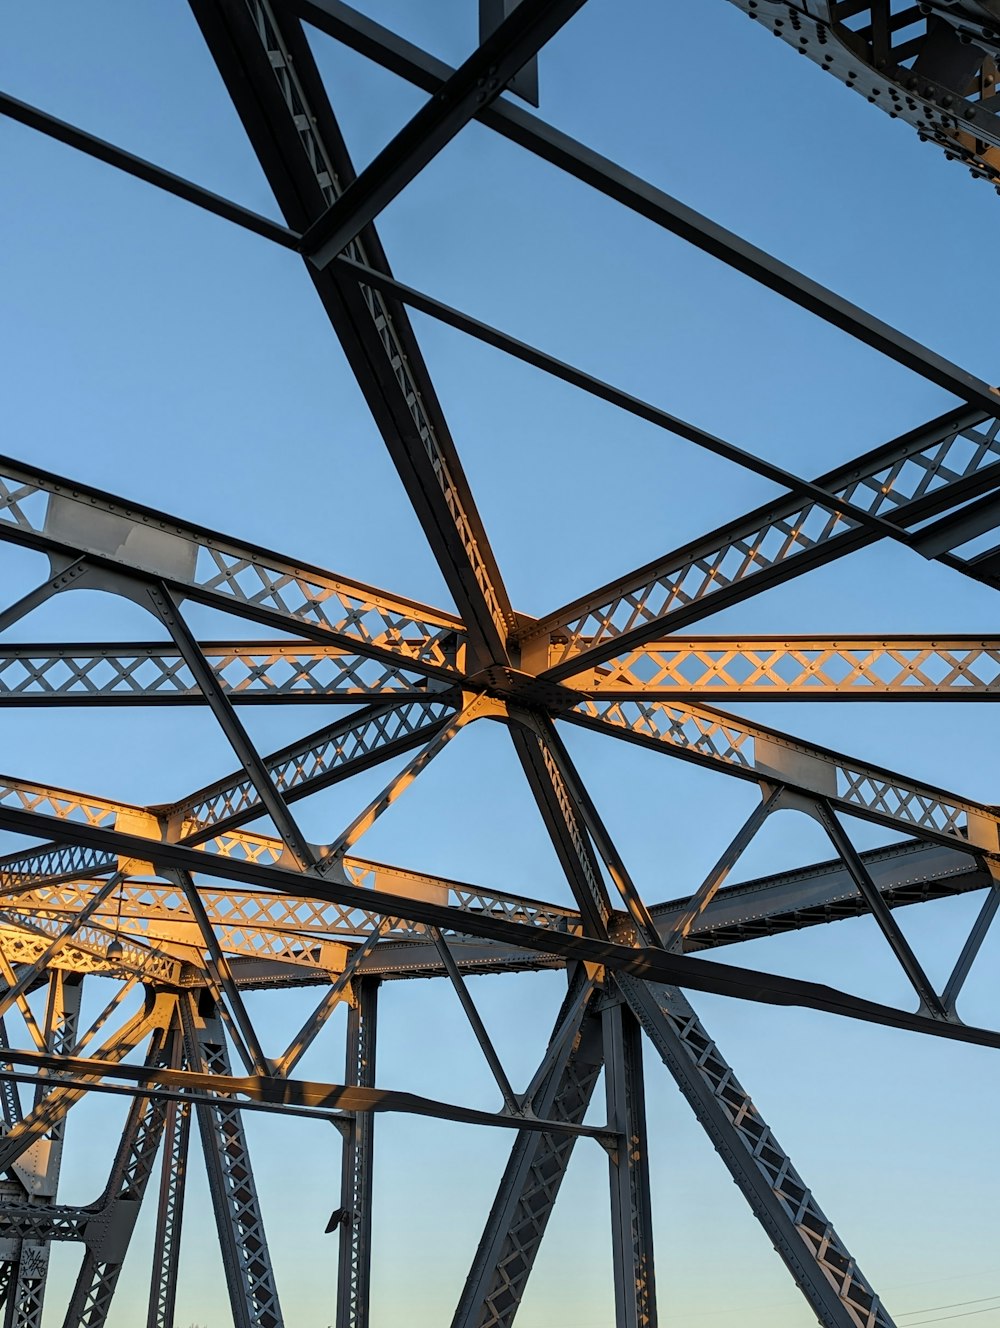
column 475, row 84
column 272, row 78
column 927, row 470
column 117, row 537
column 651, row 963
column 606, row 176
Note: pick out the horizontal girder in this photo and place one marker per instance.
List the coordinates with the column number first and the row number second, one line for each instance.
column 800, row 668
column 72, row 522
column 154, row 673
column 820, row 668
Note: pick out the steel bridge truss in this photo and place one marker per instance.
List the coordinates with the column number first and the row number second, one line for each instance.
column 181, row 908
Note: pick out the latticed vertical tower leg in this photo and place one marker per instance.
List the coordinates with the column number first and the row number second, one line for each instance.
column 817, row 1258
column 109, row 1232
column 631, row 1219
column 533, row 1175
column 253, row 1295
column 62, row 1012
column 354, row 1268
column 167, row 1241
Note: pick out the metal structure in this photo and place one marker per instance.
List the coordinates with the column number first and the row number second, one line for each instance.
column 191, row 904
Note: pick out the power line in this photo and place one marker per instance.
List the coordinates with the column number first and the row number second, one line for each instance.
column 952, row 1305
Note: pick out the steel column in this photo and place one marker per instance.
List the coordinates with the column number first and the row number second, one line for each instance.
column 355, row 1212
column 631, row 1215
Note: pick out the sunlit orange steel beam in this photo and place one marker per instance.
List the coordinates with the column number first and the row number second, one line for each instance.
column 801, row 668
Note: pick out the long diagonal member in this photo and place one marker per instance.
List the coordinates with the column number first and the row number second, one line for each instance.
column 118, row 539
column 269, row 70
column 929, row 470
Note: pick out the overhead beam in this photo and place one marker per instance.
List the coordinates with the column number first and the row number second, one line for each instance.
column 249, row 672
column 928, row 470
column 800, row 668
column 607, row 177
column 734, row 746
column 651, row 963
column 71, row 520
column 475, row 84
column 269, row 70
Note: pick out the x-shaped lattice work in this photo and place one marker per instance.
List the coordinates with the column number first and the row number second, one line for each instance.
column 181, row 908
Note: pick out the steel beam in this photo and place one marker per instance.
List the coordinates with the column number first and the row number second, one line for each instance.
column 560, row 810
column 799, row 668
column 354, row 1225
column 154, row 673
column 476, row 83
column 69, row 520
column 651, row 963
column 112, row 1220
column 536, row 1168
column 253, row 1295
column 272, row 78
column 169, row 1214
column 930, row 469
column 724, row 742
column 934, row 68
column 610, row 179
column 631, row 1214
column 829, row 1278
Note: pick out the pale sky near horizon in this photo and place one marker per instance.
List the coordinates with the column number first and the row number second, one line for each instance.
column 161, row 353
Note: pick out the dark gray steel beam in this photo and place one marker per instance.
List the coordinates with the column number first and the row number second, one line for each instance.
column 631, row 1213
column 167, row 610
column 109, row 1228
column 833, row 1285
column 170, row 1207
column 475, row 84
column 253, row 1295
column 271, row 75
column 653, row 964
column 100, row 149
column 560, row 810
column 612, row 180
column 879, row 909
column 357, row 1169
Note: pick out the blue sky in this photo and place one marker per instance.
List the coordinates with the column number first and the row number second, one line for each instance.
column 158, row 352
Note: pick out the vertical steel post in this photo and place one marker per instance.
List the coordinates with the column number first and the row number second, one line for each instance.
column 354, row 1267
column 631, row 1218
column 170, row 1208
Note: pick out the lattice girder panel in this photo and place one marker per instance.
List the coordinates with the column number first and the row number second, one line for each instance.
column 71, row 522
column 934, row 468
column 728, row 743
column 800, row 668
column 155, row 674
